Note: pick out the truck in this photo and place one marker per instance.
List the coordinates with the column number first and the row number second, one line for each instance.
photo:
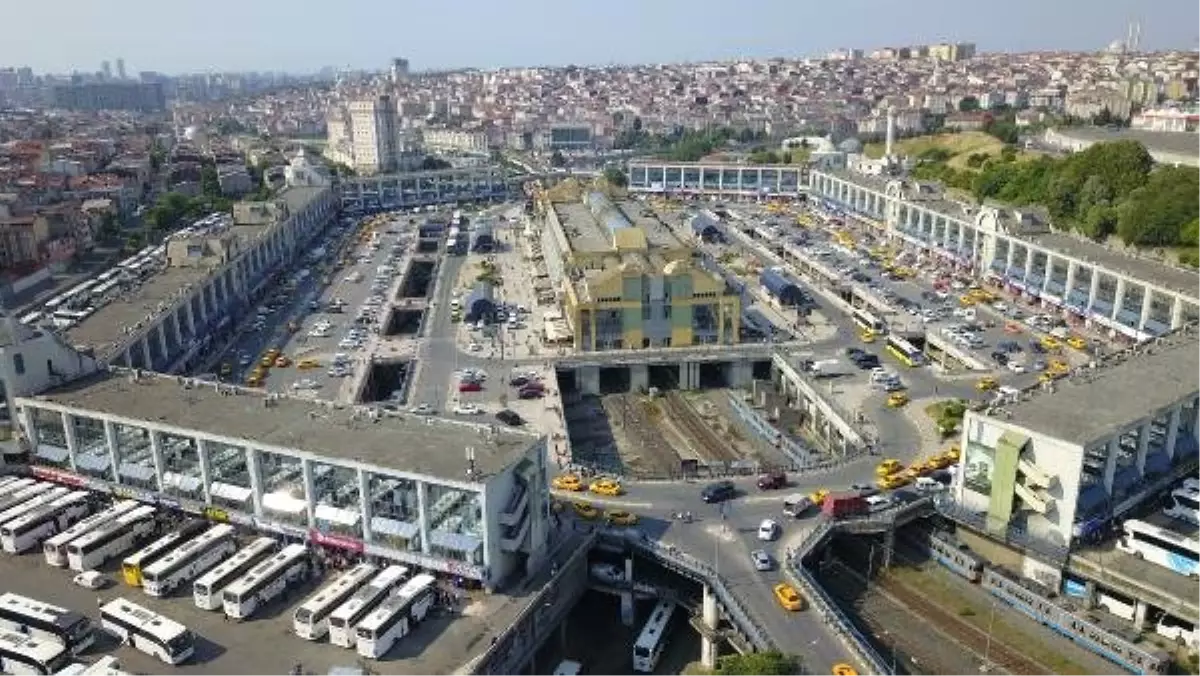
column 829, row 368
column 840, row 505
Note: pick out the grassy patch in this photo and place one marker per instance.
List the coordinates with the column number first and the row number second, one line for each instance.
column 960, row 147
column 978, row 613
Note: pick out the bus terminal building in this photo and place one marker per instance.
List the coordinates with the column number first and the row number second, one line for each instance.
column 464, row 499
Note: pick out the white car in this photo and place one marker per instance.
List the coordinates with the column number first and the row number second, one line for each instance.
column 1016, row 367
column 762, row 560
column 474, row 347
column 768, row 530
column 306, row 384
column 91, row 579
column 421, row 409
column 467, row 409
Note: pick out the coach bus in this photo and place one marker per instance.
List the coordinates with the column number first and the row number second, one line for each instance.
column 189, row 560
column 23, row 654
column 390, row 622
column 71, row 630
column 265, row 581
column 132, row 566
column 653, row 639
column 207, row 590
column 109, row 540
column 311, row 619
column 906, row 352
column 44, row 498
column 55, row 548
column 148, row 631
column 28, row 531
column 1161, row 547
column 868, row 322
column 343, row 620
column 19, row 497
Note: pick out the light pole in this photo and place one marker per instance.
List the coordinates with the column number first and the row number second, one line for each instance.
column 987, row 651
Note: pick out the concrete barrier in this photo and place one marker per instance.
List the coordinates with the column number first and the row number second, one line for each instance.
column 960, row 355
column 829, row 410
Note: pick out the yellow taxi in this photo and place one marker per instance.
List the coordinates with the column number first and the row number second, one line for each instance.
column 1077, row 343
column 606, row 487
column 897, row 399
column 889, row 466
column 892, row 481
column 273, row 352
column 788, row 597
column 1050, row 376
column 308, row 363
column 253, row 380
column 966, row 300
column 567, row 482
column 1058, row 367
column 951, row 455
column 843, row 669
column 867, row 336
column 585, row 511
column 282, row 362
column 986, row 384
column 818, row 496
column 620, row 517
column 267, row 361
column 932, row 464
column 1051, row 343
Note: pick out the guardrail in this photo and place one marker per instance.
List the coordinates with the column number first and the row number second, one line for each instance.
column 976, row 521
column 840, row 417
column 688, row 565
column 790, row 447
column 837, row 619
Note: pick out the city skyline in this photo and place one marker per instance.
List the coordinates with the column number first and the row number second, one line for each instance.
column 269, row 35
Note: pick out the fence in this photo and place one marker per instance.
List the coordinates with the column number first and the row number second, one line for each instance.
column 801, row 456
column 1012, row 535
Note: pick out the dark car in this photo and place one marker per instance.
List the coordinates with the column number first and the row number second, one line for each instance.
column 519, row 381
column 531, row 393
column 855, row 353
column 1000, row 358
column 469, row 386
column 867, row 361
column 772, row 480
column 510, row 418
column 718, row 492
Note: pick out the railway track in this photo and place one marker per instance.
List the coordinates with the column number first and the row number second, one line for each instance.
column 638, row 430
column 688, row 421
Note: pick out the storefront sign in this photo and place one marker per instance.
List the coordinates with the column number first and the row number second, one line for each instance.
column 59, row 476
column 216, row 514
column 282, row 529
column 336, row 541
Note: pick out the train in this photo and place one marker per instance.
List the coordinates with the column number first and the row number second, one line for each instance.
column 1033, row 600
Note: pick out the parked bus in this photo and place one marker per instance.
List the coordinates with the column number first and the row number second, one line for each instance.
column 207, row 590
column 134, row 564
column 391, row 621
column 148, row 631
column 28, row 531
column 343, row 620
column 1161, row 547
column 9, row 484
column 128, row 530
column 42, row 621
column 1185, row 506
column 311, row 619
column 105, row 666
column 55, row 548
column 189, row 560
column 568, row 668
column 652, row 640
column 265, row 581
column 905, row 351
column 19, row 497
column 43, row 498
column 23, row 654
column 868, row 322
column 54, row 303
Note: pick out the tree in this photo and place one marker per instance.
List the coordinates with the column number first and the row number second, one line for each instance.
column 557, row 159
column 616, row 177
column 968, row 104
column 768, row 663
column 431, row 163
column 210, row 183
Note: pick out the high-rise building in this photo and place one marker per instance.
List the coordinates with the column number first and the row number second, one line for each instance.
column 121, row 68
column 374, row 134
column 146, row 97
column 399, row 71
column 106, row 68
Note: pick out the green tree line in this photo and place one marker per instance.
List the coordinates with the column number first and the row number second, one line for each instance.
column 682, row 145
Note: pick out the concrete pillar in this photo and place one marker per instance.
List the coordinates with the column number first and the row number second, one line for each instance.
column 205, row 470
column 68, row 423
column 110, row 435
column 256, row 490
column 710, row 617
column 1143, row 445
column 627, row 607
column 176, row 324
column 741, row 374
column 1139, row 614
column 1010, row 258
column 639, row 377
column 1177, row 312
column 364, row 504
column 309, row 499
column 1094, row 288
column 423, row 515
column 1119, row 300
column 156, row 455
column 588, row 378
column 147, row 362
column 1072, row 268
column 1173, row 430
column 1110, row 463
column 1089, row 598
column 1147, row 301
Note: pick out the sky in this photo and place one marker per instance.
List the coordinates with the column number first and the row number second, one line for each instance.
column 173, row 36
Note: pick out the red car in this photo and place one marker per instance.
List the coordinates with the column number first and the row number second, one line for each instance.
column 469, row 386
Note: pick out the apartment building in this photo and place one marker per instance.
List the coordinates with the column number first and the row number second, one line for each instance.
column 460, row 140
column 140, row 96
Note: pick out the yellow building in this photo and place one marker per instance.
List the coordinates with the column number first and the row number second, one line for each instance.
column 628, row 282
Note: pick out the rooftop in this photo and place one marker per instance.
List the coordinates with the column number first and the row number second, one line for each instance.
column 108, row 327
column 587, row 235
column 430, row 446
column 1173, row 142
column 1128, row 386
column 1143, row 269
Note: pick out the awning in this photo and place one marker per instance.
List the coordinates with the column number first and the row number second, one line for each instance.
column 229, row 492
column 282, row 502
column 52, row 453
column 183, row 482
column 401, row 529
column 456, row 541
column 333, row 514
column 138, row 472
column 95, row 463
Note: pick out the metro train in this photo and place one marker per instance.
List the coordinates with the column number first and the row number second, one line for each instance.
column 1031, row 600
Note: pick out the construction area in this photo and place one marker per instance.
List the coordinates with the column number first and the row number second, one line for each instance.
column 665, row 434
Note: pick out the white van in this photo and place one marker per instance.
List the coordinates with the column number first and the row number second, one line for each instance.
column 879, row 502
column 925, row 484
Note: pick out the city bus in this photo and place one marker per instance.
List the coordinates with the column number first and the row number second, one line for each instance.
column 109, row 540
column 343, row 620
column 905, row 351
column 23, row 654
column 55, row 548
column 42, row 621
column 43, row 498
column 311, row 619
column 390, row 621
column 148, row 631
column 652, row 640
column 1185, row 506
column 189, row 560
column 18, row 497
column 1160, row 547
column 134, row 564
column 29, row 530
column 206, row 591
column 868, row 322
column 265, row 581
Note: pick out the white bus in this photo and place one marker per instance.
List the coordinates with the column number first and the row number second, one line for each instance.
column 189, row 560
column 19, row 497
column 23, row 654
column 347, row 616
column 135, row 563
column 71, row 630
column 10, row 483
column 868, row 322
column 652, row 640
column 1185, row 506
column 265, row 581
column 29, row 530
column 568, row 668
column 148, row 631
column 391, row 620
column 55, row 548
column 207, row 590
column 44, row 498
column 311, row 619
column 109, row 540
column 1161, row 547
column 54, row 303
column 105, row 666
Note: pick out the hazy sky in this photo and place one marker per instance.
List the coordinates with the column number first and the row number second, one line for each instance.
column 176, row 36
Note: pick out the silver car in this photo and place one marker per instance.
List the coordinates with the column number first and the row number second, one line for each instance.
column 762, row 560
